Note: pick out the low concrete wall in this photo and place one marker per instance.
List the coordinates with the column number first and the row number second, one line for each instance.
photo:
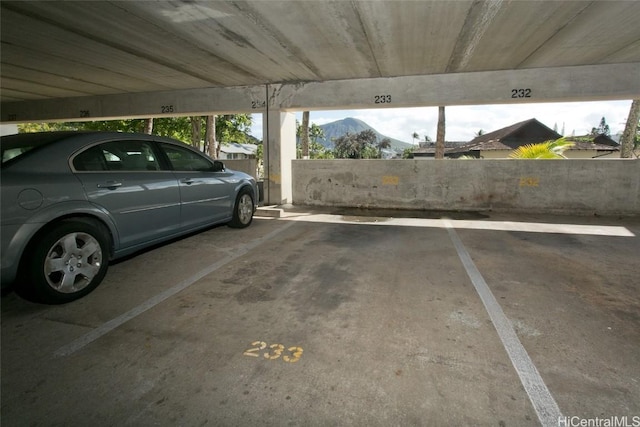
column 556, row 186
column 243, row 165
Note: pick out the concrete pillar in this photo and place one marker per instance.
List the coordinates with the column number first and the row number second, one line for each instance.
column 279, row 133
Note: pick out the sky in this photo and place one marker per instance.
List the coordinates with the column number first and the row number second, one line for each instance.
column 463, row 122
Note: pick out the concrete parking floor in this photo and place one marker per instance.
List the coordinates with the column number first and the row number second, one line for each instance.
column 344, row 318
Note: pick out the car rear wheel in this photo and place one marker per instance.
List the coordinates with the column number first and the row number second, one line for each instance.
column 243, row 209
column 67, row 262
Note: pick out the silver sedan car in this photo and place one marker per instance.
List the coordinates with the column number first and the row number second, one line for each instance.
column 73, row 201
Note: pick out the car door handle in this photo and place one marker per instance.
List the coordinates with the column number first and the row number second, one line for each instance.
column 187, row 181
column 111, row 185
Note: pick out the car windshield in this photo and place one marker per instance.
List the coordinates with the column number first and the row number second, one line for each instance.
column 14, row 146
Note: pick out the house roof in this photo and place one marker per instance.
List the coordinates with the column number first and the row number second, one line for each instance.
column 606, row 140
column 592, row 146
column 431, row 148
column 497, row 145
column 499, row 134
column 481, row 146
column 521, row 133
column 588, row 142
column 494, row 140
column 516, row 131
column 236, row 148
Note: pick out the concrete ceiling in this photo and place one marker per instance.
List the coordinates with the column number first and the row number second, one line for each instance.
column 54, row 49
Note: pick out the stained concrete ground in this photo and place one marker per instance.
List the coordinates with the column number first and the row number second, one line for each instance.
column 366, row 318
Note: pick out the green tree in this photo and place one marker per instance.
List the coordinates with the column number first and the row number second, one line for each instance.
column 109, row 125
column 172, row 127
column 407, row 153
column 260, row 158
column 316, row 133
column 228, row 128
column 319, row 151
column 233, row 128
column 384, row 143
column 356, row 146
column 315, row 150
column 602, row 129
column 42, row 127
column 346, row 147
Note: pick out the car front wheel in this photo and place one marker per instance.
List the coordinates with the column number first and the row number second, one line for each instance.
column 67, row 262
column 243, row 209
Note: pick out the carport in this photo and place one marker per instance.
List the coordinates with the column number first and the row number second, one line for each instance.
column 331, row 317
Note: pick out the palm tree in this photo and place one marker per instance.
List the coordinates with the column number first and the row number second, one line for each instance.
column 385, row 143
column 415, row 136
column 304, row 137
column 630, row 130
column 440, row 134
column 542, row 150
column 315, row 133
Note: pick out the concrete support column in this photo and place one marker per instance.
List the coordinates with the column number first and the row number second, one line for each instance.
column 279, row 131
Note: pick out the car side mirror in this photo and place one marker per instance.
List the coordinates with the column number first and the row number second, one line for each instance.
column 218, row 166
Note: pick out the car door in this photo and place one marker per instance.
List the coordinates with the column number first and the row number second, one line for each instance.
column 126, row 179
column 206, row 195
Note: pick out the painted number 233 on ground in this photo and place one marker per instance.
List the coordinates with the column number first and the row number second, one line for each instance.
column 292, row 354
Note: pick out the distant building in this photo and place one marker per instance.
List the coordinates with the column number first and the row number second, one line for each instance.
column 387, row 153
column 236, row 151
column 590, row 147
column 500, row 143
column 427, row 149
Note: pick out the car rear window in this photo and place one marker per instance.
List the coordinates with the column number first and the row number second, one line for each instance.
column 15, row 146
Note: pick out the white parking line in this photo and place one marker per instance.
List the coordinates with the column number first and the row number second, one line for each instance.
column 528, row 227
column 107, row 327
column 543, row 402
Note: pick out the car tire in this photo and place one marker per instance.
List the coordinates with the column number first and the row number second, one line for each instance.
column 66, row 262
column 243, row 209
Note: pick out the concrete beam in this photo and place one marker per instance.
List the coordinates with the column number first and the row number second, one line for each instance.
column 581, row 83
column 190, row 102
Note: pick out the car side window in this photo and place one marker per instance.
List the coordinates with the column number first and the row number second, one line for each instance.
column 130, row 155
column 90, row 160
column 183, row 159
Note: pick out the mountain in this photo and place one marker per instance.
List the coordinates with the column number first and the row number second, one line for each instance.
column 339, row 128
